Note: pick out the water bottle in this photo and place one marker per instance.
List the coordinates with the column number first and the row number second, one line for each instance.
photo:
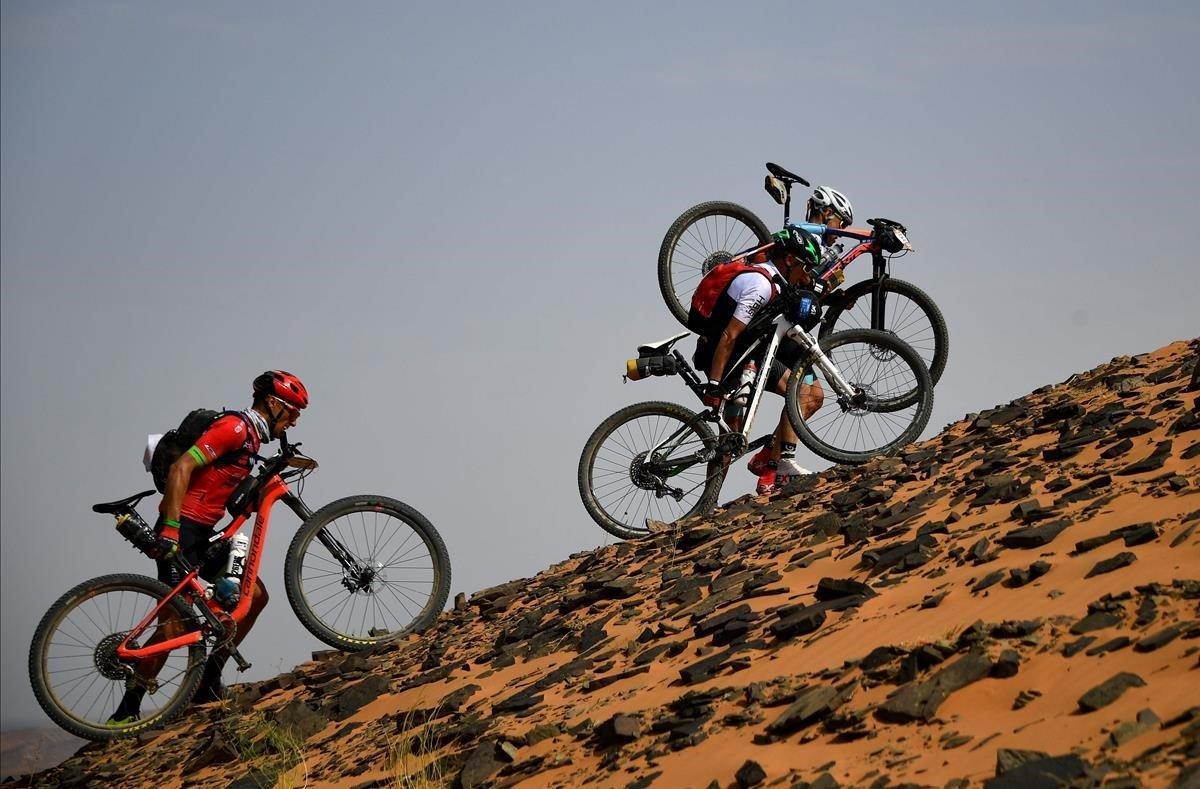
column 131, row 526
column 227, row 590
column 742, row 396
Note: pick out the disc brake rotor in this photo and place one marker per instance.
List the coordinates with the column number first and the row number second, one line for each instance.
column 881, row 354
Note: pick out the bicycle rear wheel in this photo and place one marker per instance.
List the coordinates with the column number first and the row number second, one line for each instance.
column 75, row 672
column 896, row 397
column 703, row 236
column 622, row 484
column 366, row 569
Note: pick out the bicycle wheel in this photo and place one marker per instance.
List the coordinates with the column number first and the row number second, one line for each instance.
column 397, row 580
column 703, row 236
column 622, row 484
column 893, row 408
column 909, row 314
column 75, row 672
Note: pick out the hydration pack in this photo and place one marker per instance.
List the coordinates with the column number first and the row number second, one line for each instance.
column 710, row 290
column 175, row 442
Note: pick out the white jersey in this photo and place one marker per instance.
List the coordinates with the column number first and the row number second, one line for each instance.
column 751, row 291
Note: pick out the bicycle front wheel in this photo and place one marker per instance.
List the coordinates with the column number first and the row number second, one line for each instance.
column 364, row 570
column 908, row 313
column 79, row 680
column 893, row 403
column 703, row 236
column 643, row 462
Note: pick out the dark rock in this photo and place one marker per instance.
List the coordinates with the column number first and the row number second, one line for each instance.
column 1034, row 536
column 1044, row 773
column 214, row 750
column 1135, row 427
column 810, row 706
column 1123, row 559
column 517, row 702
column 990, row 579
column 300, row 719
column 718, row 621
column 357, row 696
column 1007, row 665
column 1109, row 691
column 799, row 622
column 481, row 763
column 920, row 700
column 1009, row 759
column 617, row 730
column 750, row 774
column 704, row 669
column 932, row 601
column 1096, row 621
column 1030, row 510
column 1139, row 535
column 900, row 553
column 1158, row 640
column 1117, row 450
column 1146, row 720
column 1112, row 645
column 1153, row 461
column 835, row 588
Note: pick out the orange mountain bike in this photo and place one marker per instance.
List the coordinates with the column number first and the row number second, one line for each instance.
column 360, row 571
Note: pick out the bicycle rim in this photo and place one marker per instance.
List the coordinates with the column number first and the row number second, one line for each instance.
column 398, row 580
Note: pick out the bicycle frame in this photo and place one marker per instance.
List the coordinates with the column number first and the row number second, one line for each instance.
column 783, row 329
column 275, row 489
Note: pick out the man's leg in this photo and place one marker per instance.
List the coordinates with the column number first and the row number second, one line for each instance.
column 783, row 446
column 211, row 687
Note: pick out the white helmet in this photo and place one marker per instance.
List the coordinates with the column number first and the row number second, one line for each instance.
column 824, row 197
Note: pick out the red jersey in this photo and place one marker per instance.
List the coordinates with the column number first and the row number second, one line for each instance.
column 231, row 441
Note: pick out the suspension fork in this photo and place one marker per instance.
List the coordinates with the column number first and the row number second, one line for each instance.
column 331, row 543
column 832, row 374
column 880, row 276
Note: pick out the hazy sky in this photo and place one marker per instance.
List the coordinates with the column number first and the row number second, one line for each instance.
column 445, row 218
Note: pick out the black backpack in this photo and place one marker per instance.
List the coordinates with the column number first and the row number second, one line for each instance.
column 175, row 442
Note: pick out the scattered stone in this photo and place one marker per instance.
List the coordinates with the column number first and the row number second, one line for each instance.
column 1008, row 759
column 1024, row 698
column 481, row 763
column 1046, row 772
column 1007, row 665
column 1034, row 536
column 1077, row 646
column 1146, row 720
column 1120, row 642
column 1155, row 460
column 300, row 719
column 810, row 706
column 1030, row 510
column 1097, row 621
column 920, row 700
column 799, row 622
column 1123, row 559
column 836, row 588
column 750, row 774
column 617, row 730
column 1158, row 640
column 990, row 579
column 1109, row 691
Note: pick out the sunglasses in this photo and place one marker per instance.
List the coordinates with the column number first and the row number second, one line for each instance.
column 292, row 412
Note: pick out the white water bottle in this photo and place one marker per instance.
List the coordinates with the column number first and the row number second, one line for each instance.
column 747, row 382
column 228, row 588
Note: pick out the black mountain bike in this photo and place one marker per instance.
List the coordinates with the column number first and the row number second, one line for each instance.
column 712, row 233
column 659, row 461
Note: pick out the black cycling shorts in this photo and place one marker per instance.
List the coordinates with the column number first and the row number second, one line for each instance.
column 787, row 355
column 194, row 546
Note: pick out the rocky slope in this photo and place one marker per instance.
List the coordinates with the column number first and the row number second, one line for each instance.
column 1012, row 603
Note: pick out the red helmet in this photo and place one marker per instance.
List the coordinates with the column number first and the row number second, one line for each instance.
column 283, row 385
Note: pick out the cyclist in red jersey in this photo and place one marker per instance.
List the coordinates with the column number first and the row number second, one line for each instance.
column 198, row 486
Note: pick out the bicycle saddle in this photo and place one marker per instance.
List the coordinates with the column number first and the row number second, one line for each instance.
column 785, row 175
column 115, row 507
column 660, row 347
